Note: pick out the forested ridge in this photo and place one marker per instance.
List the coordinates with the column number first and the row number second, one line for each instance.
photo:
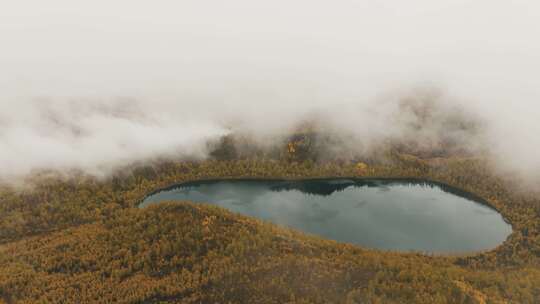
column 83, row 240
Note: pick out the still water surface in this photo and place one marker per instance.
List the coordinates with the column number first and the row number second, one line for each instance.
column 383, row 214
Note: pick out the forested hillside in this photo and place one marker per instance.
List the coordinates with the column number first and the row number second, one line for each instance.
column 83, row 240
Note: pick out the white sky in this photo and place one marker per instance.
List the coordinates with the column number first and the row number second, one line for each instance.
column 145, row 47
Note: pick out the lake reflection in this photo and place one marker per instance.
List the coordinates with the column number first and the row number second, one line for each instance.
column 394, row 215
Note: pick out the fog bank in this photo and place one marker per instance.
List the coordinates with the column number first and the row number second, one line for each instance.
column 104, row 83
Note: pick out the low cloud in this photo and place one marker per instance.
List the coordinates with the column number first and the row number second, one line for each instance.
column 103, row 84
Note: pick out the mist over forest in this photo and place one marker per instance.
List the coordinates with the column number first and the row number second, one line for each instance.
column 101, row 85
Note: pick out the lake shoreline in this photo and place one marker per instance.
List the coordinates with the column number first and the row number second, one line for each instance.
column 246, row 196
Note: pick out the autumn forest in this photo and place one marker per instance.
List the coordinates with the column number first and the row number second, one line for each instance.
column 81, row 239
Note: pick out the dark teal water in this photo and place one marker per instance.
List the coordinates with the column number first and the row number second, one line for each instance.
column 392, row 215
